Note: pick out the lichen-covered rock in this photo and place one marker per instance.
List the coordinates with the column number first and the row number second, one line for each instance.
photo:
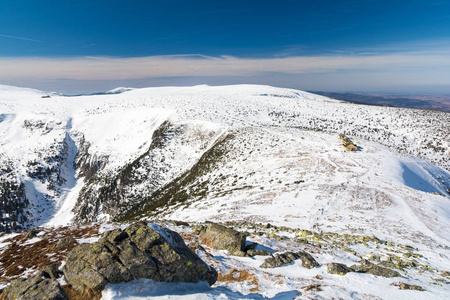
column 254, row 252
column 406, row 286
column 138, row 251
column 51, row 271
column 278, row 260
column 34, row 288
column 65, row 242
column 307, row 260
column 31, row 233
column 337, row 268
column 222, row 238
column 370, row 268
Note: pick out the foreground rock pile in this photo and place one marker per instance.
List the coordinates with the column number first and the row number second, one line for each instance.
column 138, row 251
column 365, row 266
column 35, row 287
column 135, row 252
column 149, row 251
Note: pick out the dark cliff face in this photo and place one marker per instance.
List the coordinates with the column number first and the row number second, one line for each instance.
column 13, row 200
column 118, row 192
column 146, row 182
column 21, row 203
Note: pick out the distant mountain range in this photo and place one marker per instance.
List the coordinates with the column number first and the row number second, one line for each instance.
column 421, row 102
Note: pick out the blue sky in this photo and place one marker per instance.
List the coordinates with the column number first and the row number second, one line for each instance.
column 349, row 45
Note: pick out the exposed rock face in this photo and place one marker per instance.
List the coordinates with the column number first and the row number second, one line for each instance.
column 337, row 268
column 370, row 268
column 138, row 251
column 223, row 238
column 34, row 288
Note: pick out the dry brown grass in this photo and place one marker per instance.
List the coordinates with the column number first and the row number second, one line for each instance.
column 235, row 275
column 72, row 294
column 18, row 257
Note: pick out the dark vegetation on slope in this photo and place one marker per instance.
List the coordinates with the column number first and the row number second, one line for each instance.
column 182, row 188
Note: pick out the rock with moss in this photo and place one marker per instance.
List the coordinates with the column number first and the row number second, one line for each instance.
column 51, row 271
column 138, row 251
column 32, row 288
column 277, row 260
column 65, row 242
column 31, row 233
column 254, row 252
column 406, row 286
column 180, row 223
column 366, row 266
column 307, row 260
column 338, row 268
column 445, row 273
column 223, row 238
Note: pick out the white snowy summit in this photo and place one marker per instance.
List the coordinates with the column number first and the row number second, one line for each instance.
column 245, row 156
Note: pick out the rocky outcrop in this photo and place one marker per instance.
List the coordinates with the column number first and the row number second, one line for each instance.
column 51, row 271
column 339, row 269
column 139, row 251
column 254, row 252
column 34, row 288
column 370, row 268
column 307, row 260
column 406, row 286
column 223, row 238
column 65, row 242
column 365, row 266
column 278, row 260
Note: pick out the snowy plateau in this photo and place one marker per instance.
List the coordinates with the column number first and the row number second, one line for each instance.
column 263, row 160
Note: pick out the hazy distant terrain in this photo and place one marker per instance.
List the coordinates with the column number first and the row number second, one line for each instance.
column 423, row 102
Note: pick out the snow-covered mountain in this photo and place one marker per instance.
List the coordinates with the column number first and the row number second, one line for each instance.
column 247, row 147
column 257, row 154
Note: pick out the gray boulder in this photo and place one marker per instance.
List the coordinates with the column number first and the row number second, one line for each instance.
column 337, row 268
column 370, row 268
column 51, row 271
column 406, row 286
column 222, row 238
column 254, row 252
column 307, row 260
column 65, row 242
column 34, row 288
column 278, row 260
column 138, row 251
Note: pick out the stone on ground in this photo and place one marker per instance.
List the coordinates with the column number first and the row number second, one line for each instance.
column 222, row 238
column 138, row 251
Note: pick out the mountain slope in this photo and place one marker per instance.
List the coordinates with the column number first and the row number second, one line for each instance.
column 119, row 156
column 263, row 160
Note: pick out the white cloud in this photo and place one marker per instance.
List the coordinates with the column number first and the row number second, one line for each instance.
column 113, row 68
